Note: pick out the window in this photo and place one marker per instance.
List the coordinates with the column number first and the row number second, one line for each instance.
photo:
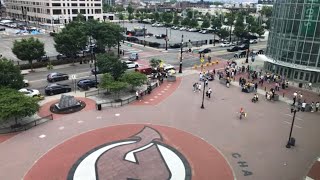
column 56, row 11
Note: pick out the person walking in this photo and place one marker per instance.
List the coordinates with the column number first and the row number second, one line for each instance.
column 195, row 87
column 209, row 92
column 317, row 106
column 312, row 106
column 137, row 95
column 199, row 87
column 256, row 86
column 295, row 94
column 303, row 106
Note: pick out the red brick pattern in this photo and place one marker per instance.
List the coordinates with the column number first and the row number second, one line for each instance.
column 314, row 172
column 206, row 162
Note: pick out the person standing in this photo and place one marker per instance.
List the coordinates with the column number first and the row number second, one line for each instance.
column 295, row 94
column 256, row 86
column 303, row 106
column 195, row 87
column 199, row 87
column 317, row 106
column 312, row 106
column 137, row 95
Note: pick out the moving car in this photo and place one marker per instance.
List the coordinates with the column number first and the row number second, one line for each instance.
column 225, row 44
column 30, row 92
column 55, row 76
column 233, row 49
column 25, row 83
column 160, row 36
column 177, row 45
column 206, row 50
column 43, row 58
column 243, row 47
column 87, row 83
column 133, row 56
column 131, row 64
column 93, row 71
column 52, row 89
column 240, row 54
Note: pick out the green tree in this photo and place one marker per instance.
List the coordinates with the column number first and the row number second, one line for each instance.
column 260, row 31
column 107, row 8
column 130, row 11
column 157, row 16
column 239, row 28
column 28, row 49
column 230, row 18
column 154, row 63
column 217, row 3
column 134, row 78
column 15, row 105
column 119, row 8
column 223, row 33
column 189, row 13
column 130, row 17
column 71, row 39
column 10, row 75
column 194, row 23
column 80, row 18
column 216, row 22
column 205, row 23
column 176, row 20
column 111, row 64
column 185, row 22
column 266, row 11
column 108, row 82
column 167, row 17
column 121, row 16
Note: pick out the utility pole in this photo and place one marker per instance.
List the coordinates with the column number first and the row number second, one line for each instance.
column 181, row 46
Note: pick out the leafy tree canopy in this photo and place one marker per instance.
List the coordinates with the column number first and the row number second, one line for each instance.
column 111, row 64
column 176, row 20
column 28, row 49
column 266, row 11
column 194, row 23
column 10, row 75
column 130, row 9
column 216, row 22
column 205, row 23
column 154, row 63
column 167, row 17
column 134, row 78
column 15, row 105
column 223, row 33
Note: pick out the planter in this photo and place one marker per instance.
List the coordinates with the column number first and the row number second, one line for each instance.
column 171, row 78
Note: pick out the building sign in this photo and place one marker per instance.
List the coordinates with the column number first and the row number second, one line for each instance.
column 310, row 15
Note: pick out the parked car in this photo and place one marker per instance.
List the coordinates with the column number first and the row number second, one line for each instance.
column 177, row 45
column 169, row 69
column 2, row 29
column 131, row 64
column 193, row 30
column 30, row 92
column 225, row 44
column 56, row 76
column 87, row 83
column 133, row 56
column 44, row 58
column 160, row 36
column 206, row 50
column 52, row 89
column 183, row 29
column 233, row 49
column 253, row 41
column 256, row 52
column 240, row 54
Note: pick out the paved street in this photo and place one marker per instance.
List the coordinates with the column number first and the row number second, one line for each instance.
column 254, row 148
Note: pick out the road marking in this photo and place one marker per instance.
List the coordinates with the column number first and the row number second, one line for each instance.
column 146, row 102
column 292, row 116
column 42, row 136
column 99, row 117
column 117, row 115
column 80, row 122
column 290, row 124
column 61, row 128
column 308, row 178
column 165, row 89
column 151, row 99
column 159, row 94
column 162, row 91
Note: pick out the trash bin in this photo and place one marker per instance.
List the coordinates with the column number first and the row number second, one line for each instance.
column 292, row 141
column 99, row 107
column 300, row 85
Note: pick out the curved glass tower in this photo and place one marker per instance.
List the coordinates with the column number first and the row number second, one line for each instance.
column 294, row 40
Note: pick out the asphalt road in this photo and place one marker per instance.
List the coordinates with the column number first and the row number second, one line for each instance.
column 37, row 80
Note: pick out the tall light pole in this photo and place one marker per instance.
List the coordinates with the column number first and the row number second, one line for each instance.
column 166, row 39
column 144, row 35
column 181, row 46
column 93, row 58
column 214, row 36
column 291, row 140
column 204, row 89
column 248, row 43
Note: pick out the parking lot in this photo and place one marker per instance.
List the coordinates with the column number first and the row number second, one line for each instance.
column 8, row 36
column 173, row 35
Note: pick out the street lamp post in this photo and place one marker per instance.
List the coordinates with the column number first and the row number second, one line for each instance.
column 204, row 89
column 248, row 51
column 214, row 36
column 166, row 39
column 181, row 46
column 291, row 140
column 144, row 35
column 93, row 58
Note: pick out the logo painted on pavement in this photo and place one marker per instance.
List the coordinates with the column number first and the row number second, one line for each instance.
column 142, row 156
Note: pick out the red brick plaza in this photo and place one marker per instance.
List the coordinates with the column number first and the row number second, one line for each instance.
column 169, row 137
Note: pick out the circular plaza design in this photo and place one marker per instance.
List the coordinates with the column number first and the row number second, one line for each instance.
column 133, row 151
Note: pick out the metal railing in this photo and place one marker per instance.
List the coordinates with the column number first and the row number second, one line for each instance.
column 25, row 126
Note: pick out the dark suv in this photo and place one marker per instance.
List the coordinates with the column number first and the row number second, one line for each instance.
column 87, row 83
column 52, row 89
column 240, row 54
column 55, row 76
column 233, row 49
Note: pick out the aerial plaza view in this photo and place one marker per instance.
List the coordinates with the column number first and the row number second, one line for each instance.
column 159, row 90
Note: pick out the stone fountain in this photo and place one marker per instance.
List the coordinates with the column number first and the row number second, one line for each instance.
column 67, row 104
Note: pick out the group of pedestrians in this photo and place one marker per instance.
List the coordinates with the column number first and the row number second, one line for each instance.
column 303, row 105
column 197, row 85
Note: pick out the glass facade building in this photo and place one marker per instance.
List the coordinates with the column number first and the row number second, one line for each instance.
column 294, row 40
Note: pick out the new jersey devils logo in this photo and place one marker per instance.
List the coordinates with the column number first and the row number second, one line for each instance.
column 139, row 157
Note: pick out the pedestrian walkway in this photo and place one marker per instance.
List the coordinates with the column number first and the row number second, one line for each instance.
column 314, row 172
column 159, row 94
